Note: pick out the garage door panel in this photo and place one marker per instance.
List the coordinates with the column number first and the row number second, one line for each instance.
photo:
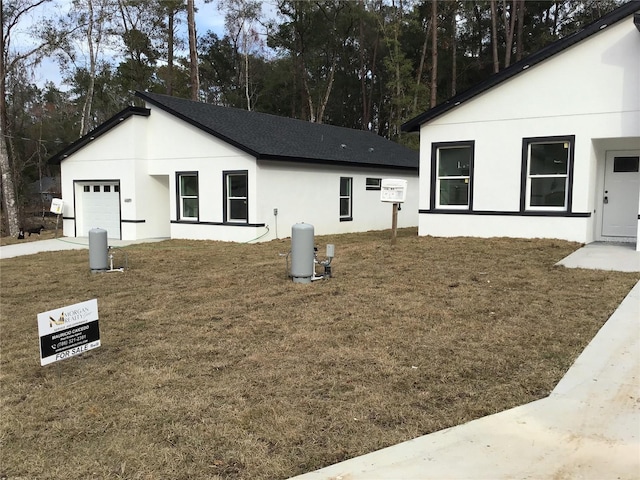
column 101, row 208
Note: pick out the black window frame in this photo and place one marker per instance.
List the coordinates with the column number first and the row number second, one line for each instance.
column 225, row 196
column 374, row 186
column 349, row 217
column 434, row 197
column 179, row 196
column 525, row 203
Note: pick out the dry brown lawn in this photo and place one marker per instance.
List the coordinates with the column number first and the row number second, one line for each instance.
column 214, row 364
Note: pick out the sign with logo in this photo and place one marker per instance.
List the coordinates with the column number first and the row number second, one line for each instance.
column 393, row 190
column 68, row 331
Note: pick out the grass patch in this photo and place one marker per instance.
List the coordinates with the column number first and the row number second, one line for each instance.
column 215, row 365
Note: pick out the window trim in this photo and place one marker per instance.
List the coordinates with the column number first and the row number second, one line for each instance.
column 179, row 197
column 376, row 186
column 225, row 196
column 435, row 183
column 525, row 184
column 349, row 217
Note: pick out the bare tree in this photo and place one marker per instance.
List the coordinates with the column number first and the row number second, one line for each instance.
column 11, row 13
column 241, row 17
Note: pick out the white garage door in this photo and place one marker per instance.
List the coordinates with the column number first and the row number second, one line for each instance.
column 100, row 208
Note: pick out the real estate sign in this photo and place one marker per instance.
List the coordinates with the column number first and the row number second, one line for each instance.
column 68, row 331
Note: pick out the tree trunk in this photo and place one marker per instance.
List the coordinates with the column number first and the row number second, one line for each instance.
column 327, row 93
column 8, row 189
column 454, row 49
column 519, row 31
column 434, row 53
column 363, row 74
column 193, row 52
column 85, row 122
column 494, row 37
column 421, row 66
column 509, row 27
column 6, row 172
column 170, row 41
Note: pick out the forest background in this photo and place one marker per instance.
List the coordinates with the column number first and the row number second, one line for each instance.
column 362, row 64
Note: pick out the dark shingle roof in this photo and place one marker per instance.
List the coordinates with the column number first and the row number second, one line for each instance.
column 269, row 137
column 615, row 16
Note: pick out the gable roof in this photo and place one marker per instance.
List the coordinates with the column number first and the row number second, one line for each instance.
column 558, row 46
column 99, row 130
column 270, row 137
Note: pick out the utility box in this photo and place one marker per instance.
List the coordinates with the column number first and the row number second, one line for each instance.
column 393, row 190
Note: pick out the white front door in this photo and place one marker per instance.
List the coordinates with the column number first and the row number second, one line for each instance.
column 621, row 191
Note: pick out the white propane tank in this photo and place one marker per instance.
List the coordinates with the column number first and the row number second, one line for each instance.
column 302, row 252
column 98, row 250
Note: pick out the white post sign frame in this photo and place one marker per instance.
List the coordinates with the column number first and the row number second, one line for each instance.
column 393, row 190
column 68, row 331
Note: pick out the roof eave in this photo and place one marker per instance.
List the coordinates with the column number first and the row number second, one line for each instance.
column 98, row 131
column 319, row 161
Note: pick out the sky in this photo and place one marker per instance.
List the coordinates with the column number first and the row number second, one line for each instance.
column 208, row 18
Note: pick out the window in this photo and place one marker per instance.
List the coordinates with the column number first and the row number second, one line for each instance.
column 86, row 188
column 547, row 172
column 96, row 188
column 626, row 164
column 236, row 199
column 187, row 196
column 452, row 171
column 116, row 188
column 107, row 188
column 346, row 199
column 373, row 184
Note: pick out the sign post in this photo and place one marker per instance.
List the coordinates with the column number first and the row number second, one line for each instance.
column 393, row 190
column 56, row 207
column 68, row 331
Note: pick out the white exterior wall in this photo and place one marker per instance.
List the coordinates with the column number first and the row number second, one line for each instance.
column 591, row 90
column 311, row 194
column 176, row 146
column 145, row 153
column 112, row 156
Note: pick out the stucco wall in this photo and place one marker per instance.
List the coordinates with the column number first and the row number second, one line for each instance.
column 591, row 90
column 112, row 156
column 311, row 194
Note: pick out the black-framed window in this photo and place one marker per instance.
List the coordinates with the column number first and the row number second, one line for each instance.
column 187, row 192
column 236, row 196
column 346, row 199
column 547, row 173
column 373, row 183
column 452, row 175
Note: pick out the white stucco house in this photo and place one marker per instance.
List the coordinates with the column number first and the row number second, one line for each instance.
column 546, row 148
column 184, row 169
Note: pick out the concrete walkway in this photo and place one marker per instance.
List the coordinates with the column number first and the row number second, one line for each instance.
column 621, row 257
column 587, row 428
column 58, row 244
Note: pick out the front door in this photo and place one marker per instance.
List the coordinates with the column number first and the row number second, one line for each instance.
column 621, row 190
